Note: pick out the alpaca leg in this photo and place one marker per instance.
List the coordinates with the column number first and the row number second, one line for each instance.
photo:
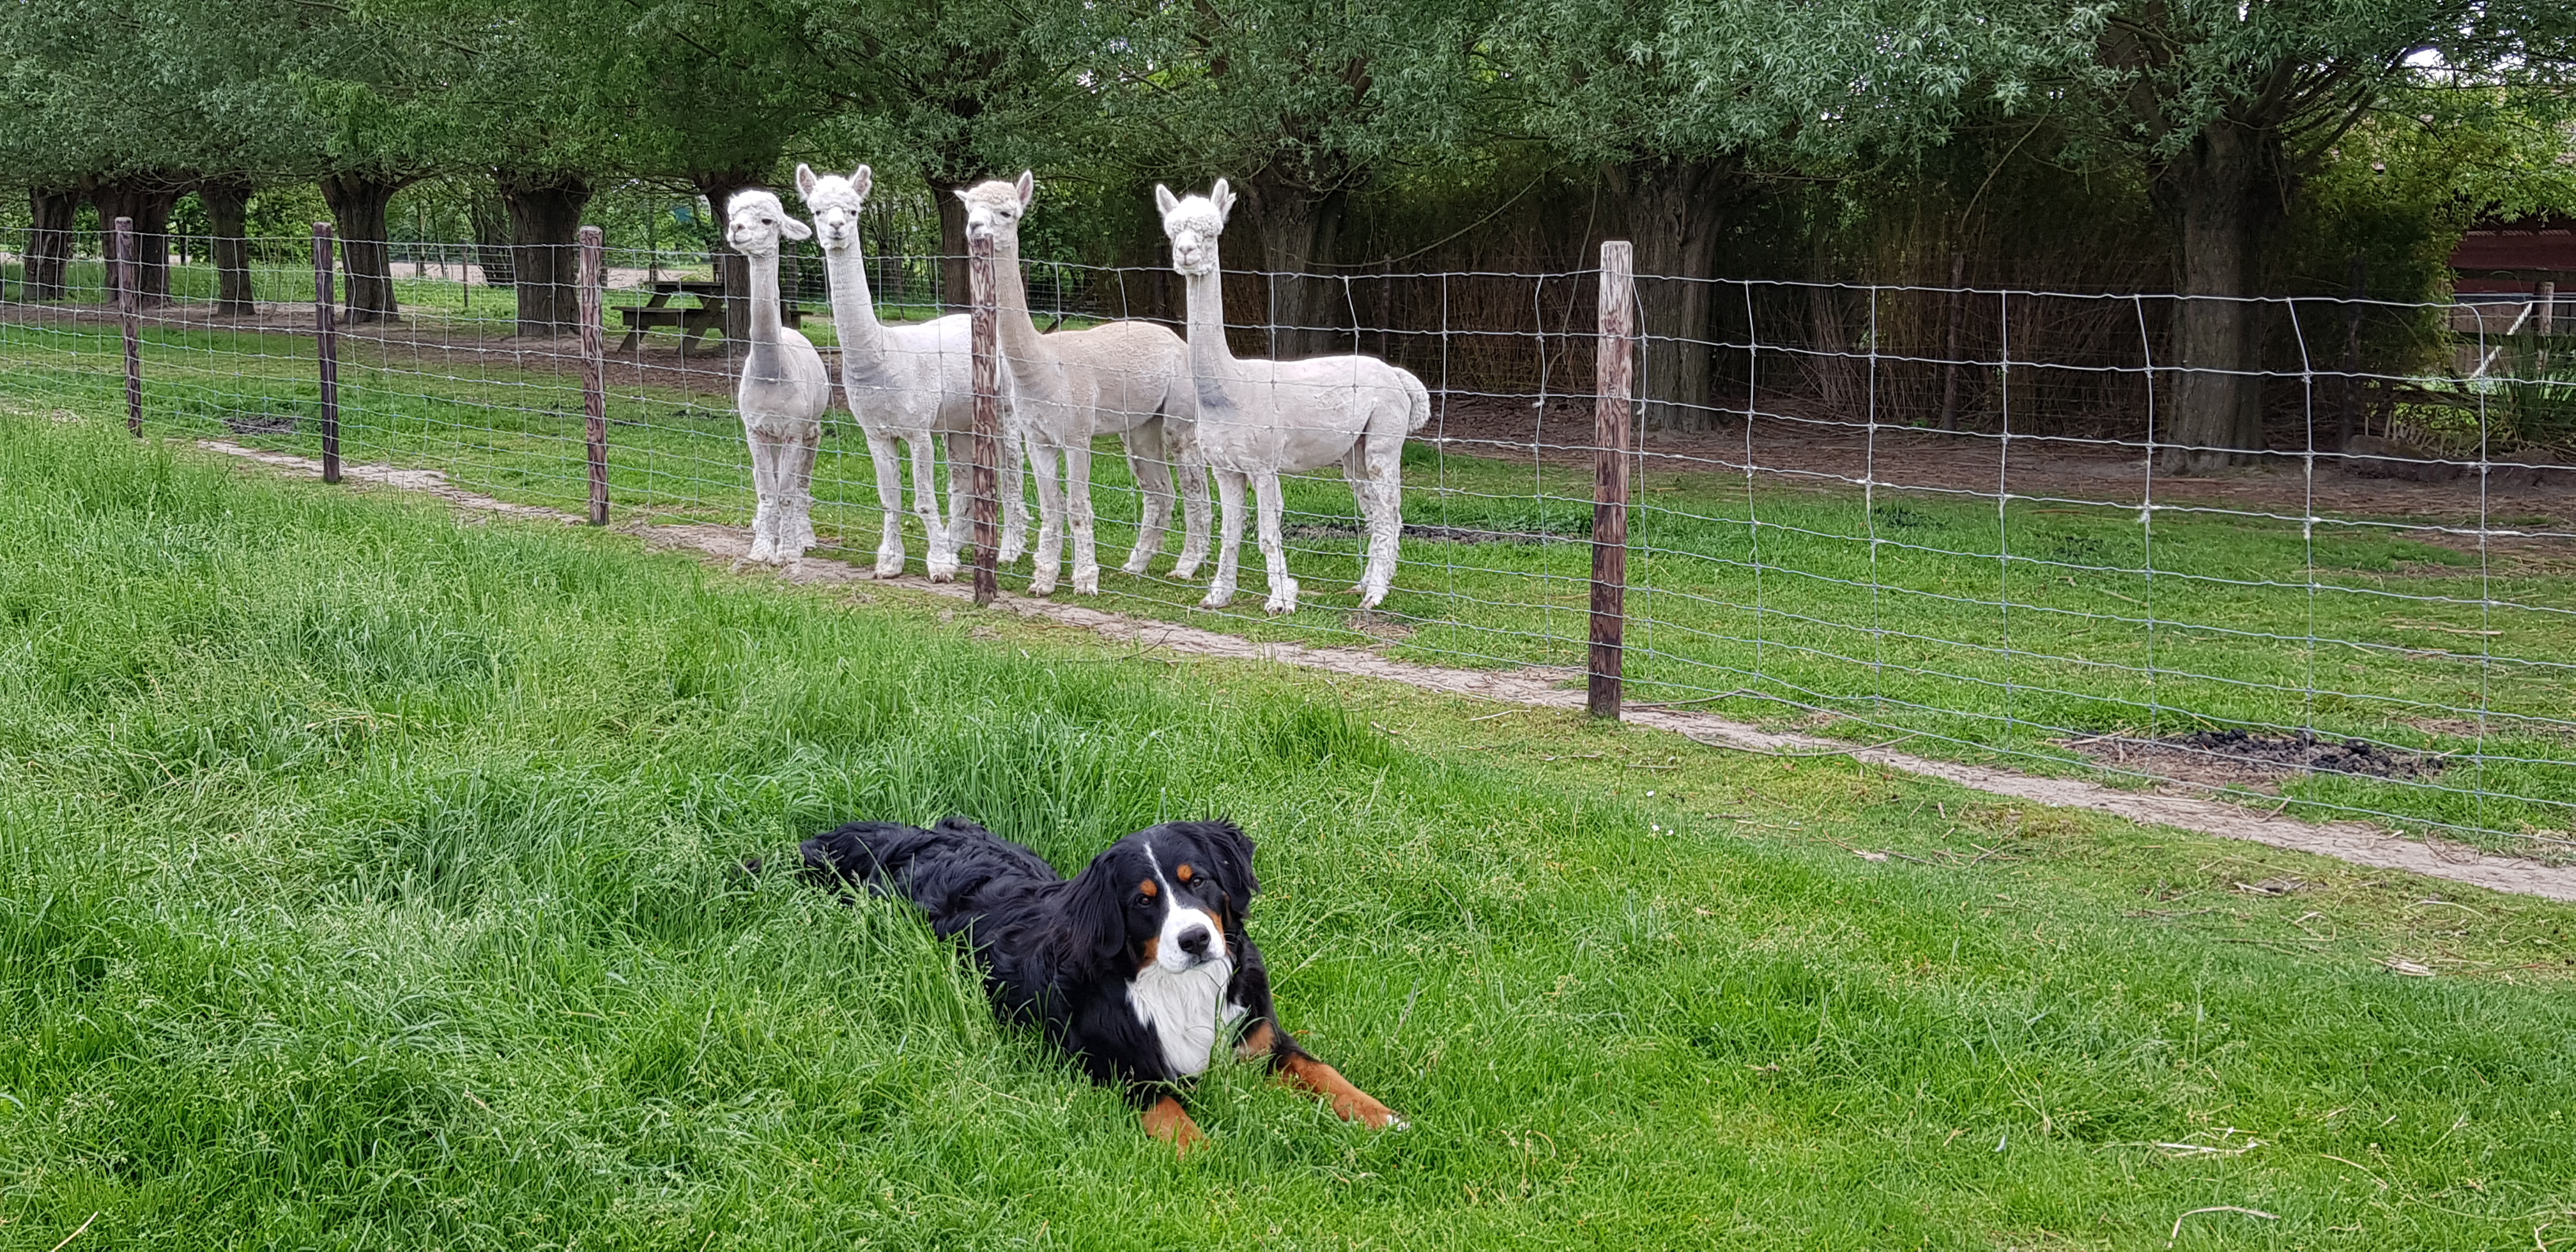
column 1229, row 544
column 764, row 521
column 1146, row 458
column 796, row 536
column 881, row 449
column 1015, row 508
column 1194, row 511
column 1387, row 477
column 1381, row 502
column 942, row 560
column 1050, row 550
column 1077, row 500
column 1274, row 553
column 961, row 493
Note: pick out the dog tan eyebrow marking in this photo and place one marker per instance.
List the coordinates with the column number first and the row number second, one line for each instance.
column 1183, row 873
column 1146, row 888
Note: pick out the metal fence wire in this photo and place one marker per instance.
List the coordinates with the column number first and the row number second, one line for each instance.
column 1957, row 517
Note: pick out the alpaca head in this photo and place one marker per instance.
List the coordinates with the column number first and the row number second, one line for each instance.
column 834, row 201
column 993, row 209
column 755, row 221
column 1194, row 222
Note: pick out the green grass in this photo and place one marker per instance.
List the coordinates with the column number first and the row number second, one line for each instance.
column 1895, row 614
column 369, row 885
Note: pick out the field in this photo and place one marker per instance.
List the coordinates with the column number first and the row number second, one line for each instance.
column 2012, row 634
column 371, row 884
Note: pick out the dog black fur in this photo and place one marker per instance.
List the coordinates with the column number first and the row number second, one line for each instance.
column 1091, row 959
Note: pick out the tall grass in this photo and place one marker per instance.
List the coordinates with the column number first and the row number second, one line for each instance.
column 367, row 881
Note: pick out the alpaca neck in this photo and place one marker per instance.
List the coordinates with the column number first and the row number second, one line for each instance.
column 1205, row 298
column 1020, row 341
column 854, row 311
column 764, row 298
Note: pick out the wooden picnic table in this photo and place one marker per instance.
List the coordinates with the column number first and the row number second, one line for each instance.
column 707, row 315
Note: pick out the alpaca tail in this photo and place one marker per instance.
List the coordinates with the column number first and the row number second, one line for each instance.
column 1421, row 401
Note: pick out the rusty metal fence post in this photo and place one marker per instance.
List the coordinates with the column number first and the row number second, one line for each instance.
column 986, row 342
column 1611, row 422
column 594, row 369
column 326, row 340
column 129, row 302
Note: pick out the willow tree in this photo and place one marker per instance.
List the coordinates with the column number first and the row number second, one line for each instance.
column 1301, row 104
column 2229, row 105
column 963, row 90
column 1687, row 106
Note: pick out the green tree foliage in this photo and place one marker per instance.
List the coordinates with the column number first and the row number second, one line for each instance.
column 2221, row 148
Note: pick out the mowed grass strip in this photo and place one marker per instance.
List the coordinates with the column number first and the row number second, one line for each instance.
column 1985, row 635
column 370, row 882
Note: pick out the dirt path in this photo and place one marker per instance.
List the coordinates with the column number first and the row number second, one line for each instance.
column 2355, row 842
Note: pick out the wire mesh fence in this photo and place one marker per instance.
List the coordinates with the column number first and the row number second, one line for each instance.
column 1969, row 520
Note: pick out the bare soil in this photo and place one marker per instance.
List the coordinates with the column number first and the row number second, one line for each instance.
column 2234, row 758
column 2537, row 498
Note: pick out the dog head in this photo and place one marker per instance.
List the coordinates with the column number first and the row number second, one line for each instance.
column 1171, row 896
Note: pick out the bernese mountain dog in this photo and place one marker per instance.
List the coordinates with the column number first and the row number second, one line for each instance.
column 1136, row 965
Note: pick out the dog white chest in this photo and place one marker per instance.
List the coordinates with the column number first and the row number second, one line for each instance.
column 1181, row 1009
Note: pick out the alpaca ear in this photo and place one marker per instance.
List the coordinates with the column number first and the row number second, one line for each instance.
column 1165, row 200
column 1222, row 196
column 862, row 179
column 804, row 180
column 1028, row 185
column 794, row 229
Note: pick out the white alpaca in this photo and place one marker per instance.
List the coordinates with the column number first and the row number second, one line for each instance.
column 783, row 391
column 1129, row 379
column 1260, row 419
column 913, row 383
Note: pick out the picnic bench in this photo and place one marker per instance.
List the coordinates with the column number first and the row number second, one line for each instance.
column 691, row 320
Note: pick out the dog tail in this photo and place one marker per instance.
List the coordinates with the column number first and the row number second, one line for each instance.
column 862, row 854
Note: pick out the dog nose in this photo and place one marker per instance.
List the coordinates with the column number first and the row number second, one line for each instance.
column 1195, row 941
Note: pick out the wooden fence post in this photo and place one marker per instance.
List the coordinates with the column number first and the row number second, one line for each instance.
column 986, row 343
column 128, row 303
column 326, row 343
column 594, row 368
column 1611, row 420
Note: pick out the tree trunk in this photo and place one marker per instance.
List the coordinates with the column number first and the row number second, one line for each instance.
column 491, row 222
column 49, row 241
column 1300, row 231
column 227, row 202
column 545, row 255
column 732, row 268
column 954, row 281
column 1676, row 211
column 358, row 202
column 2218, row 189
column 147, row 199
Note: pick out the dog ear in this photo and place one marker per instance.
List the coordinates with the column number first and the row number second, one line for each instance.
column 1233, row 850
column 1095, row 908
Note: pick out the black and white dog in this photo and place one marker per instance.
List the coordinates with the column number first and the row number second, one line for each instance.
column 1135, row 965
